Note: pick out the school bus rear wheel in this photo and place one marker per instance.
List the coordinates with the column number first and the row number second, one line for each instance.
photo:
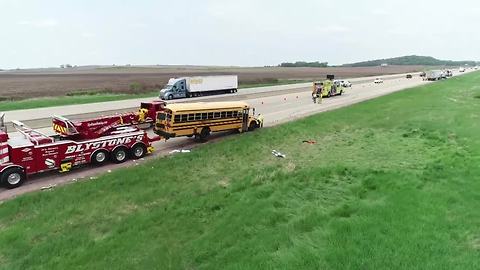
column 204, row 133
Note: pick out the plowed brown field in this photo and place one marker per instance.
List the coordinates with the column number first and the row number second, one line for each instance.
column 59, row 82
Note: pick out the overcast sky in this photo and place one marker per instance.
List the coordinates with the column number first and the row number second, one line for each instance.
column 43, row 33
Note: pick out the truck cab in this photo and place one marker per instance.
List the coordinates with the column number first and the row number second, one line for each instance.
column 175, row 88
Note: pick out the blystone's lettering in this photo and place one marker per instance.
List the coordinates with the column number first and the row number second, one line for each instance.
column 102, row 144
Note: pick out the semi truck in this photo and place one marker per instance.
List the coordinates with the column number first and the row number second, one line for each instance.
column 434, row 75
column 187, row 87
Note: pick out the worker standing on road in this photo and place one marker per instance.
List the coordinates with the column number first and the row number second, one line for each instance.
column 317, row 92
column 318, row 95
column 260, row 120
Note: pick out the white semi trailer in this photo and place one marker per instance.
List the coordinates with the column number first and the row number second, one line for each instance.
column 186, row 87
column 434, row 75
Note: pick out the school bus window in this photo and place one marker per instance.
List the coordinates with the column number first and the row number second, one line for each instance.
column 191, row 117
column 229, row 114
column 210, row 115
column 169, row 117
column 216, row 115
column 204, row 116
column 161, row 116
column 177, row 118
column 198, row 116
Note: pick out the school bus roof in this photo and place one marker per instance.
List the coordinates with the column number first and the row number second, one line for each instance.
column 201, row 106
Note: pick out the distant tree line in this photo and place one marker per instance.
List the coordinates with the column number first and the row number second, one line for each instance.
column 304, row 64
column 411, row 60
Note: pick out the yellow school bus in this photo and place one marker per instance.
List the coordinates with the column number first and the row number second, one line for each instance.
column 202, row 118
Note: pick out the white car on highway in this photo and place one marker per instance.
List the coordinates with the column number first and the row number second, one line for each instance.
column 378, row 80
column 343, row 83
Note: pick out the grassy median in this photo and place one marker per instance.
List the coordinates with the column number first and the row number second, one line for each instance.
column 391, row 183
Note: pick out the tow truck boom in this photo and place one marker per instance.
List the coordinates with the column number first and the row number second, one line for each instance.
column 106, row 125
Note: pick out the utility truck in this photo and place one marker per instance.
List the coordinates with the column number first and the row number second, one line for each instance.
column 187, row 87
column 328, row 87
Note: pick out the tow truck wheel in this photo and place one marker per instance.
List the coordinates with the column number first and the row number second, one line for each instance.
column 138, row 151
column 99, row 157
column 13, row 177
column 119, row 155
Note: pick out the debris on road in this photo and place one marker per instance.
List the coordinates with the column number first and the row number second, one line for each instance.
column 179, row 151
column 278, row 154
column 48, row 187
column 310, row 142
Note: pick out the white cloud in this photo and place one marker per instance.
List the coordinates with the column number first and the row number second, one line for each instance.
column 332, row 29
column 46, row 23
column 379, row 11
column 139, row 25
column 87, row 35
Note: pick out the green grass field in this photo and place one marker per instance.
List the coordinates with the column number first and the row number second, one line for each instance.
column 68, row 100
column 393, row 183
column 100, row 96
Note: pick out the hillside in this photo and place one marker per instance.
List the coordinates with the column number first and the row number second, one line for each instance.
column 304, row 64
column 411, row 60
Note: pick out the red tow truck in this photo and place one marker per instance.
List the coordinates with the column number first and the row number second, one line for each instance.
column 95, row 141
